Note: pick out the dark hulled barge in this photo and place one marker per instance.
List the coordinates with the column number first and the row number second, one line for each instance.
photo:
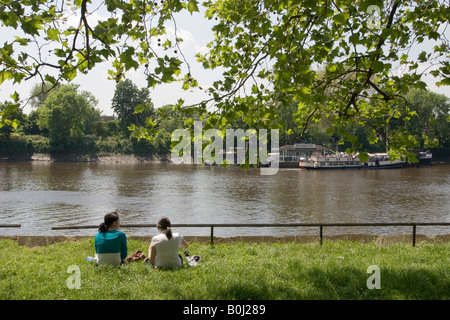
column 344, row 161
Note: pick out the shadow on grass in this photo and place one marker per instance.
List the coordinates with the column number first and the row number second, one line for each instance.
column 352, row 284
column 416, row 284
column 253, row 291
column 340, row 284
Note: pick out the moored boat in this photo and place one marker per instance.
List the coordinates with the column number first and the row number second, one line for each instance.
column 425, row 158
column 345, row 161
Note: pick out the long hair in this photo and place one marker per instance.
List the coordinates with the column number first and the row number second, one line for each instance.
column 164, row 224
column 110, row 218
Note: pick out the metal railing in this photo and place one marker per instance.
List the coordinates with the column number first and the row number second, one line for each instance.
column 321, row 226
column 9, row 225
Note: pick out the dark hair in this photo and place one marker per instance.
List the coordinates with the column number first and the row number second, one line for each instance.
column 110, row 218
column 164, row 224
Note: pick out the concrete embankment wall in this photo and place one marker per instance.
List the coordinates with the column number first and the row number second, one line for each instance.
column 364, row 238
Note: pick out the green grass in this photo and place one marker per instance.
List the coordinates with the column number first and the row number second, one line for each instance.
column 337, row 270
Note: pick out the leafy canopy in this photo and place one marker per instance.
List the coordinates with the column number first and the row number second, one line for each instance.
column 349, row 62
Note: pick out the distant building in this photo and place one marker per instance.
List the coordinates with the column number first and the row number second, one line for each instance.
column 290, row 155
column 294, row 152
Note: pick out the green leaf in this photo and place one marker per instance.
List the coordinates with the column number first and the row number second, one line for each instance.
column 354, row 38
column 70, row 74
column 363, row 157
column 32, row 26
column 83, row 64
column 365, row 4
column 192, row 6
column 15, row 96
column 151, row 82
column 78, row 3
column 423, row 57
column 341, row 17
column 127, row 58
column 14, row 123
column 139, row 109
column 50, row 79
column 331, row 67
column 445, row 82
column 150, row 123
column 5, row 75
column 412, row 158
column 377, row 66
column 53, row 34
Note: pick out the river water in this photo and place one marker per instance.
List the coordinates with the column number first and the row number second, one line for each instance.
column 40, row 195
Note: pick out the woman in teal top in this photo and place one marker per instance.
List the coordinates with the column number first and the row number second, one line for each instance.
column 110, row 243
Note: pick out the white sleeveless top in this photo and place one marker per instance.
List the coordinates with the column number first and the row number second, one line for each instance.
column 167, row 250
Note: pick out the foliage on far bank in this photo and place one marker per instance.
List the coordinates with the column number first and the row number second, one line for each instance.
column 65, row 122
column 22, row 147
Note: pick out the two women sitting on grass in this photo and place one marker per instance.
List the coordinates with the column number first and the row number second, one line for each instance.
column 111, row 244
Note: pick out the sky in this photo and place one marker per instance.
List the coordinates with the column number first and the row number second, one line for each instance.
column 196, row 33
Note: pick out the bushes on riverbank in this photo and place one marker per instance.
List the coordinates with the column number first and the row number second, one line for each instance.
column 337, row 270
column 23, row 147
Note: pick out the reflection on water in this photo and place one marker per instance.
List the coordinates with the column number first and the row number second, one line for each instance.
column 41, row 195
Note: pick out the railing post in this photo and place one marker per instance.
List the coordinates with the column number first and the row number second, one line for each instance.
column 212, row 235
column 414, row 235
column 321, row 234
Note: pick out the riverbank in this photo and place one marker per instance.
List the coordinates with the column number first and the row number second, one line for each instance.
column 110, row 158
column 239, row 271
column 87, row 149
column 379, row 240
column 107, row 158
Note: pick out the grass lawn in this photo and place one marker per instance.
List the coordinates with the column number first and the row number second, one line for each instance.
column 337, row 270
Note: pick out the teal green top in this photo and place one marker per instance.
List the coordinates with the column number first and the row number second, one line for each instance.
column 111, row 241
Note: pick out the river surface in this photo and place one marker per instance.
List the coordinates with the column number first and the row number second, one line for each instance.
column 40, row 195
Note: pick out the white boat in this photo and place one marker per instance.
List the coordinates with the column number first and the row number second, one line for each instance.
column 340, row 161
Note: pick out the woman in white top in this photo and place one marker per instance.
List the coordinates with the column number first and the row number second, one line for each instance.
column 163, row 250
